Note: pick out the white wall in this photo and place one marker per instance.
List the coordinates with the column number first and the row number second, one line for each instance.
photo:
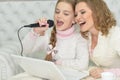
column 16, row 13
column 114, row 6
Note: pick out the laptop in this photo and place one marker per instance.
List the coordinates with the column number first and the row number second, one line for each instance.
column 48, row 70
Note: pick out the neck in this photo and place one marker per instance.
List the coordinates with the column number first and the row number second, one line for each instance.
column 66, row 33
column 94, row 38
column 94, row 32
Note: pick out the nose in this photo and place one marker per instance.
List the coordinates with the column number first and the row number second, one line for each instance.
column 59, row 15
column 77, row 18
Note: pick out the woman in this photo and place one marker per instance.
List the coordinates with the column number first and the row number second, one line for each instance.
column 98, row 25
column 65, row 46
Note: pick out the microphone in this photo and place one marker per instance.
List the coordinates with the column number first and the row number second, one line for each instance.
column 50, row 22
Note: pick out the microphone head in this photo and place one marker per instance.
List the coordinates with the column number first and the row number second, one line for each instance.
column 50, row 22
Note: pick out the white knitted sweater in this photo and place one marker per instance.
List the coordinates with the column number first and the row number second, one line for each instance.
column 71, row 50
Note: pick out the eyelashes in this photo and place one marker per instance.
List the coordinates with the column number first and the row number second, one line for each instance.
column 81, row 13
column 64, row 12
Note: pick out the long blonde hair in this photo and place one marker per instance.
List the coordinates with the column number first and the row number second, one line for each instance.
column 102, row 16
column 53, row 39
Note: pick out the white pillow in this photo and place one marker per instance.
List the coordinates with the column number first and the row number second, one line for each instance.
column 3, row 70
column 8, row 67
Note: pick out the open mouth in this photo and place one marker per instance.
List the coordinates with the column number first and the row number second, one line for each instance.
column 59, row 23
column 82, row 23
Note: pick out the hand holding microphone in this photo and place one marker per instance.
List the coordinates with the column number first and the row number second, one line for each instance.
column 42, row 25
column 39, row 28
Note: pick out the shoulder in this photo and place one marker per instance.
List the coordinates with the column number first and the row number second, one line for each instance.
column 80, row 40
column 78, row 35
column 115, row 29
column 114, row 35
column 115, row 32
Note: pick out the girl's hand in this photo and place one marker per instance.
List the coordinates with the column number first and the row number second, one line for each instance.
column 96, row 72
column 41, row 30
column 58, row 62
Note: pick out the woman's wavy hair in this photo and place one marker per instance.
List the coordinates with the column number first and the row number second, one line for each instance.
column 102, row 16
column 53, row 33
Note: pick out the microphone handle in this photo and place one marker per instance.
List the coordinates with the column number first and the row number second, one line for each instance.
column 34, row 25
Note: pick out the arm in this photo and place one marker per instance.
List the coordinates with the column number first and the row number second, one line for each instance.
column 115, row 42
column 29, row 41
column 96, row 71
column 33, row 42
column 80, row 62
column 37, row 39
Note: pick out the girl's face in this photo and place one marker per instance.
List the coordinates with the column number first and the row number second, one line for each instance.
column 63, row 16
column 83, row 16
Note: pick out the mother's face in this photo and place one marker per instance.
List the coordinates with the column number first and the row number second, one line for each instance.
column 83, row 16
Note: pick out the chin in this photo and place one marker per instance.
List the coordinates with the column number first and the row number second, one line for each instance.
column 59, row 29
column 83, row 30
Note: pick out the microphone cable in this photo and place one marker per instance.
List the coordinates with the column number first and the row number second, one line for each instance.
column 50, row 22
column 18, row 34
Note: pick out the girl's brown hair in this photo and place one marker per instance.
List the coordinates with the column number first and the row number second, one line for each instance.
column 102, row 16
column 53, row 33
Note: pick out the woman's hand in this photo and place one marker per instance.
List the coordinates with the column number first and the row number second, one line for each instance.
column 41, row 30
column 96, row 72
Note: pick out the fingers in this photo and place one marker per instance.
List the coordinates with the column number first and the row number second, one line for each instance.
column 95, row 75
column 41, row 30
column 43, row 22
column 58, row 62
column 96, row 72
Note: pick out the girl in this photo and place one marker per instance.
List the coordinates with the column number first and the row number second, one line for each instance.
column 64, row 46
